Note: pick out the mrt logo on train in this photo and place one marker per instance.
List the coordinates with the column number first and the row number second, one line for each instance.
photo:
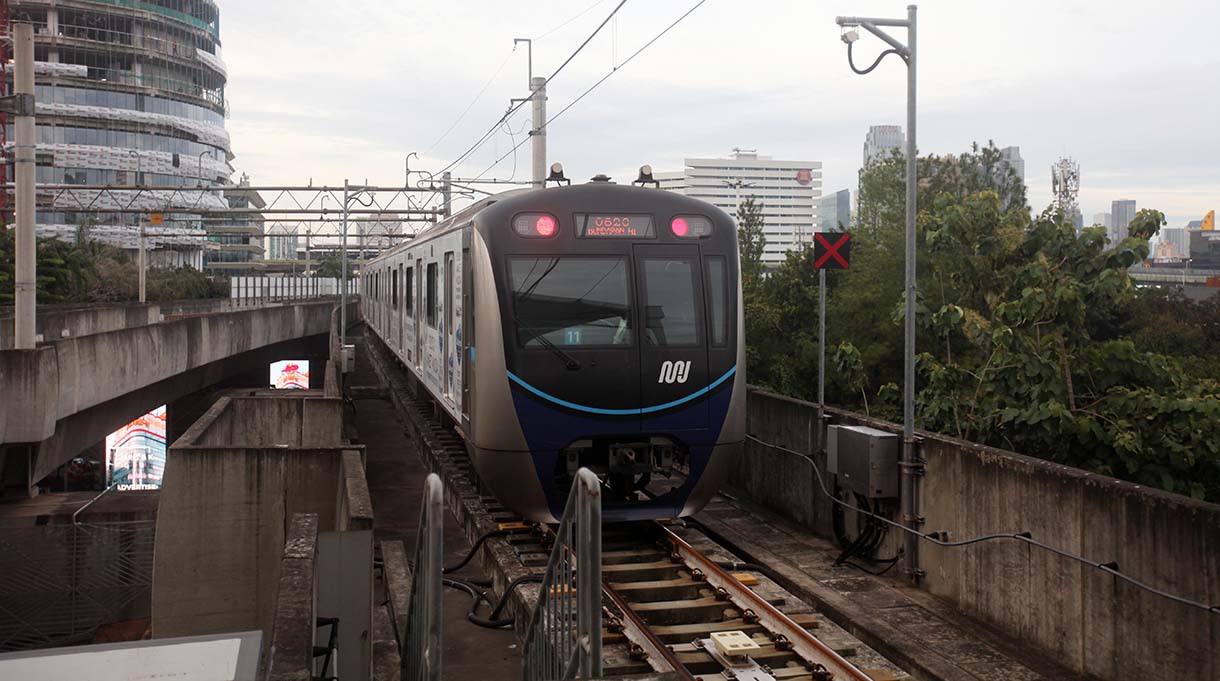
column 674, row 372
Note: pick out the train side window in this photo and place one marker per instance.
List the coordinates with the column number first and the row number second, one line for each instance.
column 430, row 294
column 717, row 301
column 408, row 287
column 393, row 290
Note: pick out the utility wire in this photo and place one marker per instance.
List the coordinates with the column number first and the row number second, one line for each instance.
column 599, row 82
column 1025, row 537
column 514, row 108
column 472, row 102
column 582, row 13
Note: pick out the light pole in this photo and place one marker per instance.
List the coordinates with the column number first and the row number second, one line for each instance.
column 910, row 466
column 737, row 185
column 136, row 179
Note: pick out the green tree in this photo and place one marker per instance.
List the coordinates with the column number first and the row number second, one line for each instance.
column 750, row 240
column 1031, row 336
column 330, row 266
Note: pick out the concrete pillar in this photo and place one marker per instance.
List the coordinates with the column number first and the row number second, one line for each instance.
column 53, row 29
column 16, row 464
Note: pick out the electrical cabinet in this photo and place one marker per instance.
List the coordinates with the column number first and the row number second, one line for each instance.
column 865, row 459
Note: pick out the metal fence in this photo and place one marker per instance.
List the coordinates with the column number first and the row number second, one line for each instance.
column 60, row 583
column 565, row 632
column 244, row 290
column 421, row 659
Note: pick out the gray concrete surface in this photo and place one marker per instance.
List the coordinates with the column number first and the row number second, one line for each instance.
column 225, row 506
column 396, row 478
column 292, row 631
column 1084, row 619
column 63, row 397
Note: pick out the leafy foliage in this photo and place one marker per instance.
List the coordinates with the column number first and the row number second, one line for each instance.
column 1031, row 336
column 88, row 271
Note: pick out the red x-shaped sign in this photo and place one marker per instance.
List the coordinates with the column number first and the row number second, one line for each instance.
column 827, row 255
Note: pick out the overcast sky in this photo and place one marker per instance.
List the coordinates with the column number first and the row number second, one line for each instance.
column 1130, row 89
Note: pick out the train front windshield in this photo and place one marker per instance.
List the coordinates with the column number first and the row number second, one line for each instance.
column 586, row 301
column 571, row 301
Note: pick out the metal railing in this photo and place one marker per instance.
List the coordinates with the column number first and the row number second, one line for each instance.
column 564, row 639
column 421, row 654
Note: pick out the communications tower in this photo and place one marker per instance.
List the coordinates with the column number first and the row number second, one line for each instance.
column 1065, row 183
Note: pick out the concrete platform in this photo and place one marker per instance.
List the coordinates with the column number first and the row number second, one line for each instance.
column 58, row 507
column 396, row 478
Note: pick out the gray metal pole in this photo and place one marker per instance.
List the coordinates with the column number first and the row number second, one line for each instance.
column 821, row 358
column 447, row 193
column 910, row 504
column 142, row 261
column 538, row 88
column 25, row 286
column 821, row 339
column 343, row 276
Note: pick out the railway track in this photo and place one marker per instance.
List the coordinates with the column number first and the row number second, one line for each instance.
column 665, row 599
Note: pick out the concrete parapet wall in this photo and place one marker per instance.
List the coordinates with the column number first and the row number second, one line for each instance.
column 56, row 322
column 292, row 635
column 1090, row 621
column 56, row 381
column 223, row 516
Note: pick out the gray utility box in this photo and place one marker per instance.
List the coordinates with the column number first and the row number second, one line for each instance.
column 865, row 459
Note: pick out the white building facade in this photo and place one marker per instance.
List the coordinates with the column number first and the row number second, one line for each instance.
column 788, row 191
column 881, row 140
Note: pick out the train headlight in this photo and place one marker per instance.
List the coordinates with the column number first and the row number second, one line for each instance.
column 536, row 225
column 690, row 226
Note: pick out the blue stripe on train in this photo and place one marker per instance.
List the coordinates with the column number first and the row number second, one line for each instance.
column 547, row 428
column 623, row 412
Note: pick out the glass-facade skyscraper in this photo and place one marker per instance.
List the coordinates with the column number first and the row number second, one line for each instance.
column 129, row 93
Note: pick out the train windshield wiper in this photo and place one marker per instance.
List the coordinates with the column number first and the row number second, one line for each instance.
column 569, row 361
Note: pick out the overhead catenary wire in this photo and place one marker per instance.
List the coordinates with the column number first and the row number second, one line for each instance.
column 603, row 79
column 564, row 24
column 1110, row 568
column 469, row 106
column 517, row 106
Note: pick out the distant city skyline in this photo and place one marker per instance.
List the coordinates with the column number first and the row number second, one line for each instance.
column 703, row 88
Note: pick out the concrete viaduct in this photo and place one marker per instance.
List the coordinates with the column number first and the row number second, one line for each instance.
column 97, row 368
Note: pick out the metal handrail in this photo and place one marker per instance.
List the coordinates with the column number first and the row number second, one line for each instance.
column 421, row 654
column 564, row 638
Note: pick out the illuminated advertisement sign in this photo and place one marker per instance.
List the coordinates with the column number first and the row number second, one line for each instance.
column 290, row 374
column 135, row 453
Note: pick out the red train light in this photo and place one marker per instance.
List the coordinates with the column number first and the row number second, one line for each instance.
column 545, row 225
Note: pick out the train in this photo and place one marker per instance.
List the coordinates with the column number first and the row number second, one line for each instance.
column 591, row 325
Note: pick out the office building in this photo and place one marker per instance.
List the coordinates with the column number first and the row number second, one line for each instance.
column 1010, row 159
column 881, row 141
column 235, row 246
column 834, row 211
column 1174, row 242
column 787, row 190
column 1102, row 219
column 129, row 93
column 1122, row 212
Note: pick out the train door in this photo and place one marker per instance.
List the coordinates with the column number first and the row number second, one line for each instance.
column 673, row 350
column 466, row 349
column 401, row 282
column 419, row 305
column 447, row 362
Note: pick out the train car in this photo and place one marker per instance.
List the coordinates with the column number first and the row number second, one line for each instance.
column 594, row 325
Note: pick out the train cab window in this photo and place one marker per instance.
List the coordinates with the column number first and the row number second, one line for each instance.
column 430, row 294
column 393, row 290
column 408, row 287
column 571, row 301
column 717, row 301
column 670, row 317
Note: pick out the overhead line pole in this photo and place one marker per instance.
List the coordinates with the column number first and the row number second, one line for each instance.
column 911, row 465
column 26, row 249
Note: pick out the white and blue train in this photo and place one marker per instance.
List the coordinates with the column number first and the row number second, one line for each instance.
column 593, row 326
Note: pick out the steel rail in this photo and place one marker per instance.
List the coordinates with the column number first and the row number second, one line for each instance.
column 804, row 644
column 659, row 655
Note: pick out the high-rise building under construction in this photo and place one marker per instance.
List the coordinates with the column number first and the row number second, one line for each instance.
column 128, row 92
